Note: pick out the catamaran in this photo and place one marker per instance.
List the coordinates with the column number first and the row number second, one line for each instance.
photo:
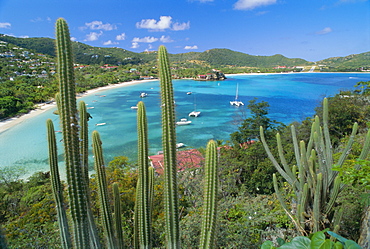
column 194, row 113
column 236, row 102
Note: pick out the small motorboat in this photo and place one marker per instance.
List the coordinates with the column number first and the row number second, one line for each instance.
column 183, row 121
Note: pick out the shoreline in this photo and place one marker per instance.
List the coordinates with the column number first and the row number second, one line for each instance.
column 43, row 107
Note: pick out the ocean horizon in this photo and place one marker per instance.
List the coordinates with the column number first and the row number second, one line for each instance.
column 292, row 97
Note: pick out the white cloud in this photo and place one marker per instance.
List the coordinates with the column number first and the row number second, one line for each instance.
column 165, row 39
column 191, row 47
column 146, row 39
column 252, row 4
column 165, row 22
column 121, row 37
column 93, row 36
column 135, row 45
column 5, row 25
column 180, row 26
column 96, row 25
column 324, row 31
column 73, row 39
column 109, row 42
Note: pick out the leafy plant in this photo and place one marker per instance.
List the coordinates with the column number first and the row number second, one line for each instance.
column 316, row 240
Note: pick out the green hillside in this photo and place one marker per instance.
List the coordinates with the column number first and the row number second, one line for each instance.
column 350, row 61
column 85, row 54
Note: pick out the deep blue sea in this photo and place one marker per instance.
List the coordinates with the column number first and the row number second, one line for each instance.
column 292, row 97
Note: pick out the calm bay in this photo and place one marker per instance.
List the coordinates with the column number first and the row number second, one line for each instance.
column 292, row 97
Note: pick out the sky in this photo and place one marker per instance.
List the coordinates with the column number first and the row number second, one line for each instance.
column 309, row 29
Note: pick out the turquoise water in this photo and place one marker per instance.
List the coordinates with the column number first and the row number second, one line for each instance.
column 292, row 97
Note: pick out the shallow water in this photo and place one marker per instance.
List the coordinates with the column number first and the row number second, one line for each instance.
column 292, row 97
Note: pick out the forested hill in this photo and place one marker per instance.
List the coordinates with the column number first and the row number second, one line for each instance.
column 350, row 61
column 85, row 54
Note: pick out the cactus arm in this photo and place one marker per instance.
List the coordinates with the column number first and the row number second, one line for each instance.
column 145, row 237
column 84, row 138
column 311, row 140
column 57, row 187
column 207, row 236
column 169, row 149
column 317, row 204
column 68, row 115
column 136, row 215
column 295, row 145
column 103, row 191
column 366, row 149
column 273, row 160
column 117, row 216
column 283, row 160
column 328, row 146
column 283, row 205
column 302, row 204
column 333, row 195
column 151, row 186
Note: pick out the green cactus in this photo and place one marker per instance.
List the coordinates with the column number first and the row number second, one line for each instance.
column 169, row 148
column 316, row 186
column 103, row 191
column 144, row 214
column 84, row 145
column 207, row 236
column 57, row 187
column 117, row 216
column 69, row 120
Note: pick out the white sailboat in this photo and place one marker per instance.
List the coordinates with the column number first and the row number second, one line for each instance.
column 194, row 113
column 236, row 102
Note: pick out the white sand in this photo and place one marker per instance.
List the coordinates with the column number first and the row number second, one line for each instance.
column 11, row 122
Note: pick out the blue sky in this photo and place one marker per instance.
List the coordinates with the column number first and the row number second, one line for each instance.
column 307, row 29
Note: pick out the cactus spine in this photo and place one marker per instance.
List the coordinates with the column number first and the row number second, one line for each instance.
column 316, row 186
column 143, row 215
column 207, row 236
column 69, row 120
column 103, row 191
column 169, row 149
column 57, row 187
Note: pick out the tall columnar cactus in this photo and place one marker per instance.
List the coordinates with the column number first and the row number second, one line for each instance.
column 103, row 191
column 117, row 216
column 315, row 185
column 169, row 149
column 69, row 121
column 207, row 236
column 143, row 201
column 84, row 148
column 57, row 187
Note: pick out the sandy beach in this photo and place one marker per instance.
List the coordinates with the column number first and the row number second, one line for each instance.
column 11, row 122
